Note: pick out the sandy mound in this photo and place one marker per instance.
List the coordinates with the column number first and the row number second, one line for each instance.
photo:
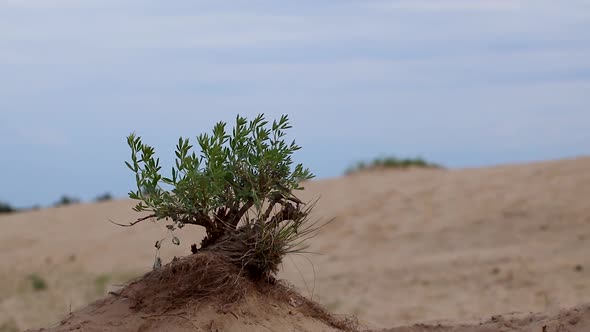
column 203, row 292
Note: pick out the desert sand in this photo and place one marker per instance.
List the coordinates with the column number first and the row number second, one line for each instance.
column 491, row 249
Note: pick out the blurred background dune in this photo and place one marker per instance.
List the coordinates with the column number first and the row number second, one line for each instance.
column 404, row 246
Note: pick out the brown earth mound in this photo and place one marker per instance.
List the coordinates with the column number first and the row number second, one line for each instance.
column 203, row 292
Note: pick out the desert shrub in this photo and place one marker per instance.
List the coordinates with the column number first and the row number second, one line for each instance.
column 66, row 200
column 6, row 208
column 37, row 282
column 101, row 283
column 239, row 188
column 391, row 162
column 104, row 197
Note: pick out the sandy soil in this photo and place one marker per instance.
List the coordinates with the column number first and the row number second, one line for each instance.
column 576, row 319
column 404, row 247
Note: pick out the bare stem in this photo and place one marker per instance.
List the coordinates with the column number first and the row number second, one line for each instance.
column 135, row 222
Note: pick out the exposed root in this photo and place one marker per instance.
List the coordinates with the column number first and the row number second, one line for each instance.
column 196, row 278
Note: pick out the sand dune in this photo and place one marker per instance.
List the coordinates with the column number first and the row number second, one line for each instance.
column 403, row 247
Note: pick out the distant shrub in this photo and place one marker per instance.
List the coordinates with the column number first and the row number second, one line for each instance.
column 66, row 200
column 37, row 282
column 391, row 162
column 101, row 283
column 239, row 187
column 104, row 197
column 6, row 208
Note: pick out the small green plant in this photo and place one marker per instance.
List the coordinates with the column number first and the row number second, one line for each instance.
column 391, row 162
column 37, row 282
column 239, row 187
column 101, row 282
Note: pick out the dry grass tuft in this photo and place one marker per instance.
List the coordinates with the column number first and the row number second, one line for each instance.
column 258, row 249
column 195, row 278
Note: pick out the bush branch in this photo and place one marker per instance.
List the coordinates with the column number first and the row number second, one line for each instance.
column 135, row 222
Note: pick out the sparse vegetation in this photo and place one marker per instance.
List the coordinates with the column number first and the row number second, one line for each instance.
column 66, row 200
column 9, row 326
column 391, row 162
column 104, row 197
column 37, row 282
column 239, row 188
column 101, row 283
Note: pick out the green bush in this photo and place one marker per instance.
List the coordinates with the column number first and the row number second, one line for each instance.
column 66, row 200
column 6, row 208
column 391, row 162
column 104, row 197
column 239, row 188
column 37, row 282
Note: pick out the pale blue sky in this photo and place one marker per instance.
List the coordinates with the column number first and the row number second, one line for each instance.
column 460, row 82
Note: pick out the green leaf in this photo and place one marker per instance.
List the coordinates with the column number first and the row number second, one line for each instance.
column 130, row 167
